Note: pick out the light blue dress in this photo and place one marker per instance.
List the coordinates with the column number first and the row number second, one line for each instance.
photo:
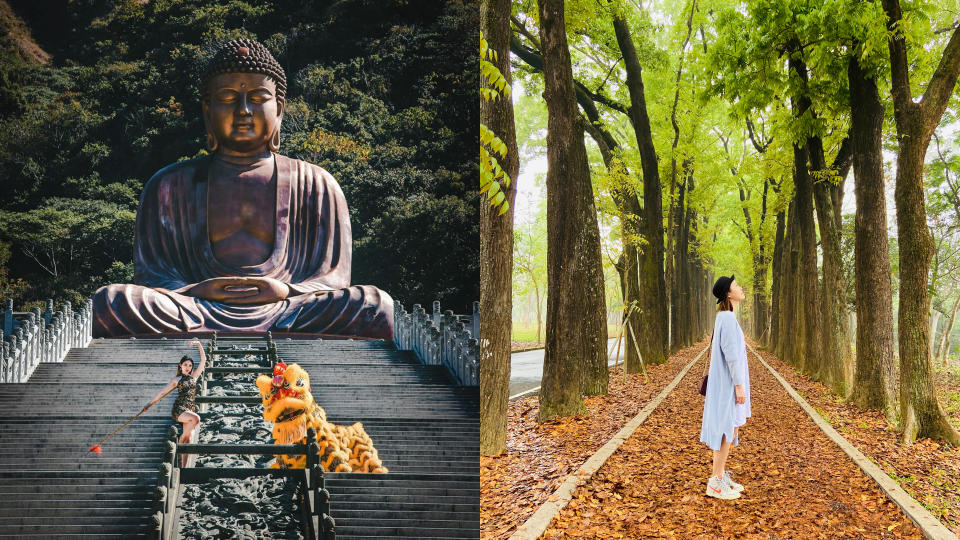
column 728, row 368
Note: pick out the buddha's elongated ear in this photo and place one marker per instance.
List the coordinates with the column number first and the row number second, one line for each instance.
column 274, row 143
column 212, row 142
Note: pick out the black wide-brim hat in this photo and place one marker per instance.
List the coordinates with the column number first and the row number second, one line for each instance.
column 722, row 287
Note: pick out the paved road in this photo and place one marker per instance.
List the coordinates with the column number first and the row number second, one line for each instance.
column 526, row 368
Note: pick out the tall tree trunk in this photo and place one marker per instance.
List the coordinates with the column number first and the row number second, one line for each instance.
column 680, row 307
column 761, row 291
column 921, row 414
column 759, row 299
column 874, row 378
column 831, row 305
column 945, row 336
column 674, row 257
column 792, row 318
column 624, row 198
column 536, row 288
column 692, row 294
column 631, row 218
column 773, row 340
column 842, row 163
column 496, row 248
column 653, row 301
column 575, row 359
column 811, row 355
column 818, row 344
column 934, row 319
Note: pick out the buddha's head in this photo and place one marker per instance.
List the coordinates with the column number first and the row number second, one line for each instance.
column 243, row 97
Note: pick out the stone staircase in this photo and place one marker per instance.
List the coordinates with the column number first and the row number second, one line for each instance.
column 426, row 431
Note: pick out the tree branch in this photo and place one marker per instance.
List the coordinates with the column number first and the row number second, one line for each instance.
column 937, row 95
column 761, row 148
column 534, row 59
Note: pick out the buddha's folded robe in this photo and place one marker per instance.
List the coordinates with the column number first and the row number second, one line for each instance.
column 311, row 254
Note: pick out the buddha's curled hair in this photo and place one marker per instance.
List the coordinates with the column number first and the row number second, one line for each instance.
column 244, row 55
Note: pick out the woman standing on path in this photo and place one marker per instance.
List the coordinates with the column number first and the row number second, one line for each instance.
column 184, row 408
column 727, row 404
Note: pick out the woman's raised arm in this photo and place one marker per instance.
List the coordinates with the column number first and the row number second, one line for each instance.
column 203, row 359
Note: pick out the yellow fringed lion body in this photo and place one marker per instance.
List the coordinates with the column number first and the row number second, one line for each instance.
column 289, row 405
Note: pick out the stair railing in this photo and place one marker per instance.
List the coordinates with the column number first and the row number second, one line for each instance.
column 441, row 339
column 314, row 499
column 32, row 337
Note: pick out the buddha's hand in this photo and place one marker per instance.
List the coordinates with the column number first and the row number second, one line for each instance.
column 270, row 290
column 240, row 290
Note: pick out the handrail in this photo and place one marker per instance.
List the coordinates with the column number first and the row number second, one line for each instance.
column 441, row 339
column 30, row 338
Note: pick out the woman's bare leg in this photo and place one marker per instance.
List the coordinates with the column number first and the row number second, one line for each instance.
column 720, row 456
column 190, row 421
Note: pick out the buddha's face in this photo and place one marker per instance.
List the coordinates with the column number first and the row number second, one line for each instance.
column 242, row 112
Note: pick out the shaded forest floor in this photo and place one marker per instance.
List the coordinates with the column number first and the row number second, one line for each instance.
column 929, row 471
column 653, row 485
column 539, row 456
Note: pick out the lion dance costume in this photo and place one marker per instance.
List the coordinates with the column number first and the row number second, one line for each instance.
column 289, row 404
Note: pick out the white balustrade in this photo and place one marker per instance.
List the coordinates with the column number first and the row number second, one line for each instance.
column 440, row 339
column 30, row 338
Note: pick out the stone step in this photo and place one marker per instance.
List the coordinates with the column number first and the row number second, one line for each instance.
column 403, row 509
column 90, row 492
column 425, row 429
column 27, row 533
column 138, row 528
column 356, row 500
column 379, row 481
column 376, row 529
column 61, row 509
column 406, row 493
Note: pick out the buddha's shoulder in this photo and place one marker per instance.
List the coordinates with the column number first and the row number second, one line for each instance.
column 181, row 171
column 310, row 171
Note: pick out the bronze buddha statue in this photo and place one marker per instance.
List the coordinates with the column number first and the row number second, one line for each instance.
column 245, row 239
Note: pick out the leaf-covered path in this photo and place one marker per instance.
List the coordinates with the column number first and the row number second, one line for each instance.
column 797, row 482
column 540, row 455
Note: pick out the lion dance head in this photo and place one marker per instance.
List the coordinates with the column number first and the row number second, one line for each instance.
column 288, row 403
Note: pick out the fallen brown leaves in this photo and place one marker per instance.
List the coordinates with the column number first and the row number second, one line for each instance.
column 518, row 346
column 798, row 483
column 540, row 456
column 927, row 470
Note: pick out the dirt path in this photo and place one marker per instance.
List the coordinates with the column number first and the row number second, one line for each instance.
column 797, row 482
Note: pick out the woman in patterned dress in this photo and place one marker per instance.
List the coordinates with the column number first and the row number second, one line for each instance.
column 184, row 407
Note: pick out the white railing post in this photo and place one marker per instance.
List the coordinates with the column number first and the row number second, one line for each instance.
column 440, row 338
column 475, row 321
column 41, row 336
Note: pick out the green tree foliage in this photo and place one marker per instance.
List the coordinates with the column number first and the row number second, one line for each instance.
column 69, row 240
column 381, row 94
column 491, row 174
column 530, row 268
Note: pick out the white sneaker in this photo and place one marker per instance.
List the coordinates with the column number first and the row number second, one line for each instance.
column 733, row 485
column 717, row 487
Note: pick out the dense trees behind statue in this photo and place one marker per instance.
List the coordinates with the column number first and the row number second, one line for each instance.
column 381, row 94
